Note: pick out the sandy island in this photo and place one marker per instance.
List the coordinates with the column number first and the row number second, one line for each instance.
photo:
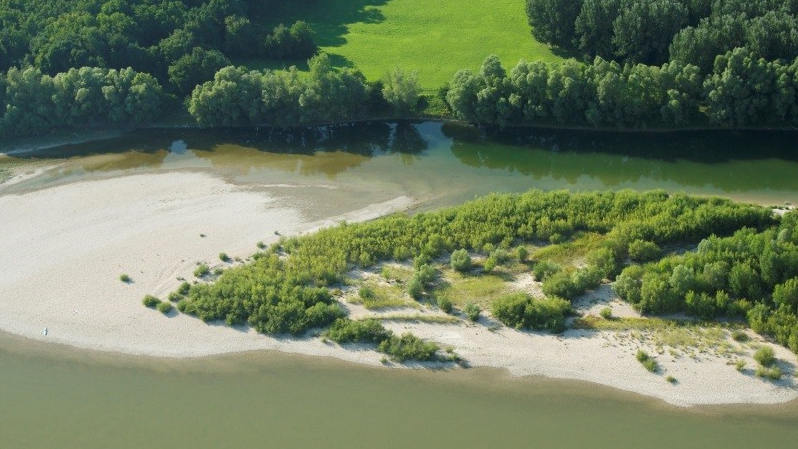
column 64, row 247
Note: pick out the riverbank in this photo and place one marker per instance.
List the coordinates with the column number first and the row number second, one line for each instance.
column 66, row 246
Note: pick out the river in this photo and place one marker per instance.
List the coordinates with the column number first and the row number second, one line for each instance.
column 59, row 397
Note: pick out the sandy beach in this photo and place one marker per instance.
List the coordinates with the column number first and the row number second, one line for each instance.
column 65, row 247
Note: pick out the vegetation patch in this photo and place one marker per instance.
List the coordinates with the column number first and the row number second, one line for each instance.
column 402, row 348
column 374, row 295
column 648, row 362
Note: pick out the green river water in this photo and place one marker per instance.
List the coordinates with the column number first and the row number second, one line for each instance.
column 63, row 398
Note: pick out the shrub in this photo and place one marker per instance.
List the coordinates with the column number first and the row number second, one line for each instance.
column 460, row 260
column 261, row 245
column 408, row 347
column 151, row 301
column 344, row 330
column 647, row 361
column 542, row 270
column 643, row 251
column 202, row 270
column 415, row 287
column 472, row 311
column 184, row 288
column 224, row 257
column 519, row 310
column 606, row 313
column 560, row 284
column 765, row 356
column 366, row 292
column 521, row 253
column 740, row 335
column 183, row 305
column 445, row 305
column 125, row 278
column 740, row 365
column 175, row 297
column 671, row 379
column 164, row 307
column 772, row 373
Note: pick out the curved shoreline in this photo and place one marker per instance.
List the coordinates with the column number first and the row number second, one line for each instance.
column 66, row 246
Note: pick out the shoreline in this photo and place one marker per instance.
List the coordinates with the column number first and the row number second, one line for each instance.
column 67, row 245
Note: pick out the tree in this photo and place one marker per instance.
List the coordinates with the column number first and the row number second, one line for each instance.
column 195, row 68
column 460, row 260
column 644, row 29
column 594, row 27
column 401, row 91
column 552, row 21
column 787, row 294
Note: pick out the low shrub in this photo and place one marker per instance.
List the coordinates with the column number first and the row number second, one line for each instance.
column 164, row 307
column 765, row 356
column 544, row 269
column 647, row 361
column 521, row 253
column 125, row 278
column 174, row 297
column 643, row 251
column 445, row 305
column 224, row 257
column 460, row 260
column 366, row 292
column 671, row 379
column 606, row 313
column 740, row 336
column 520, row 310
column 472, row 311
column 415, row 288
column 740, row 365
column 261, row 245
column 772, row 373
column 408, row 347
column 344, row 330
column 150, row 301
column 184, row 288
column 202, row 270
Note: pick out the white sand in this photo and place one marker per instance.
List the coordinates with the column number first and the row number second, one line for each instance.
column 62, row 250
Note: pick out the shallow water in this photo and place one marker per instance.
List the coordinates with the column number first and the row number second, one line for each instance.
column 58, row 397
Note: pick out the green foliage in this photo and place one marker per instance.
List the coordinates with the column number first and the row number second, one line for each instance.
column 648, row 362
column 35, row 102
column 545, row 269
column 295, row 42
column 472, row 310
column 366, row 292
column 150, row 301
column 164, row 307
column 344, row 330
column 445, row 304
column 184, row 288
column 740, row 365
column 765, row 356
column 740, row 336
column 174, row 297
column 224, row 257
column 125, row 278
column 520, row 310
column 415, row 288
column 606, row 313
column 408, row 347
column 772, row 373
column 460, row 260
column 643, row 251
column 521, row 253
column 195, row 68
column 202, row 270
column 401, row 91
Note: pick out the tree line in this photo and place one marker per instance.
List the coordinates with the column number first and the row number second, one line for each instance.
column 751, row 275
column 36, row 102
column 287, row 98
column 742, row 90
column 657, row 31
column 180, row 42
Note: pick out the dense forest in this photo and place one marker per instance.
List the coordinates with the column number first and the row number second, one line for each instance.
column 657, row 31
column 290, row 286
column 741, row 91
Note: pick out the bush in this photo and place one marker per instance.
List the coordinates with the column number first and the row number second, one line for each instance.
column 521, row 253
column 184, row 288
column 344, row 330
column 460, row 260
column 408, row 347
column 772, row 373
column 542, row 270
column 224, row 257
column 561, row 285
column 765, row 356
column 445, row 305
column 366, row 292
column 740, row 365
column 647, row 361
column 606, row 313
column 415, row 288
column 472, row 311
column 643, row 251
column 671, row 379
column 125, row 278
column 740, row 336
column 150, row 301
column 202, row 270
column 175, row 297
column 519, row 310
column 164, row 307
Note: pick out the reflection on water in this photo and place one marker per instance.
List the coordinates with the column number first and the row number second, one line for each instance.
column 451, row 162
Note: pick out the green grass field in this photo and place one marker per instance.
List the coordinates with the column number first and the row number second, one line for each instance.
column 435, row 38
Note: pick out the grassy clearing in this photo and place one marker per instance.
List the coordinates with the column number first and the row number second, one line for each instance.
column 570, row 252
column 462, row 289
column 416, row 318
column 436, row 39
column 383, row 296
